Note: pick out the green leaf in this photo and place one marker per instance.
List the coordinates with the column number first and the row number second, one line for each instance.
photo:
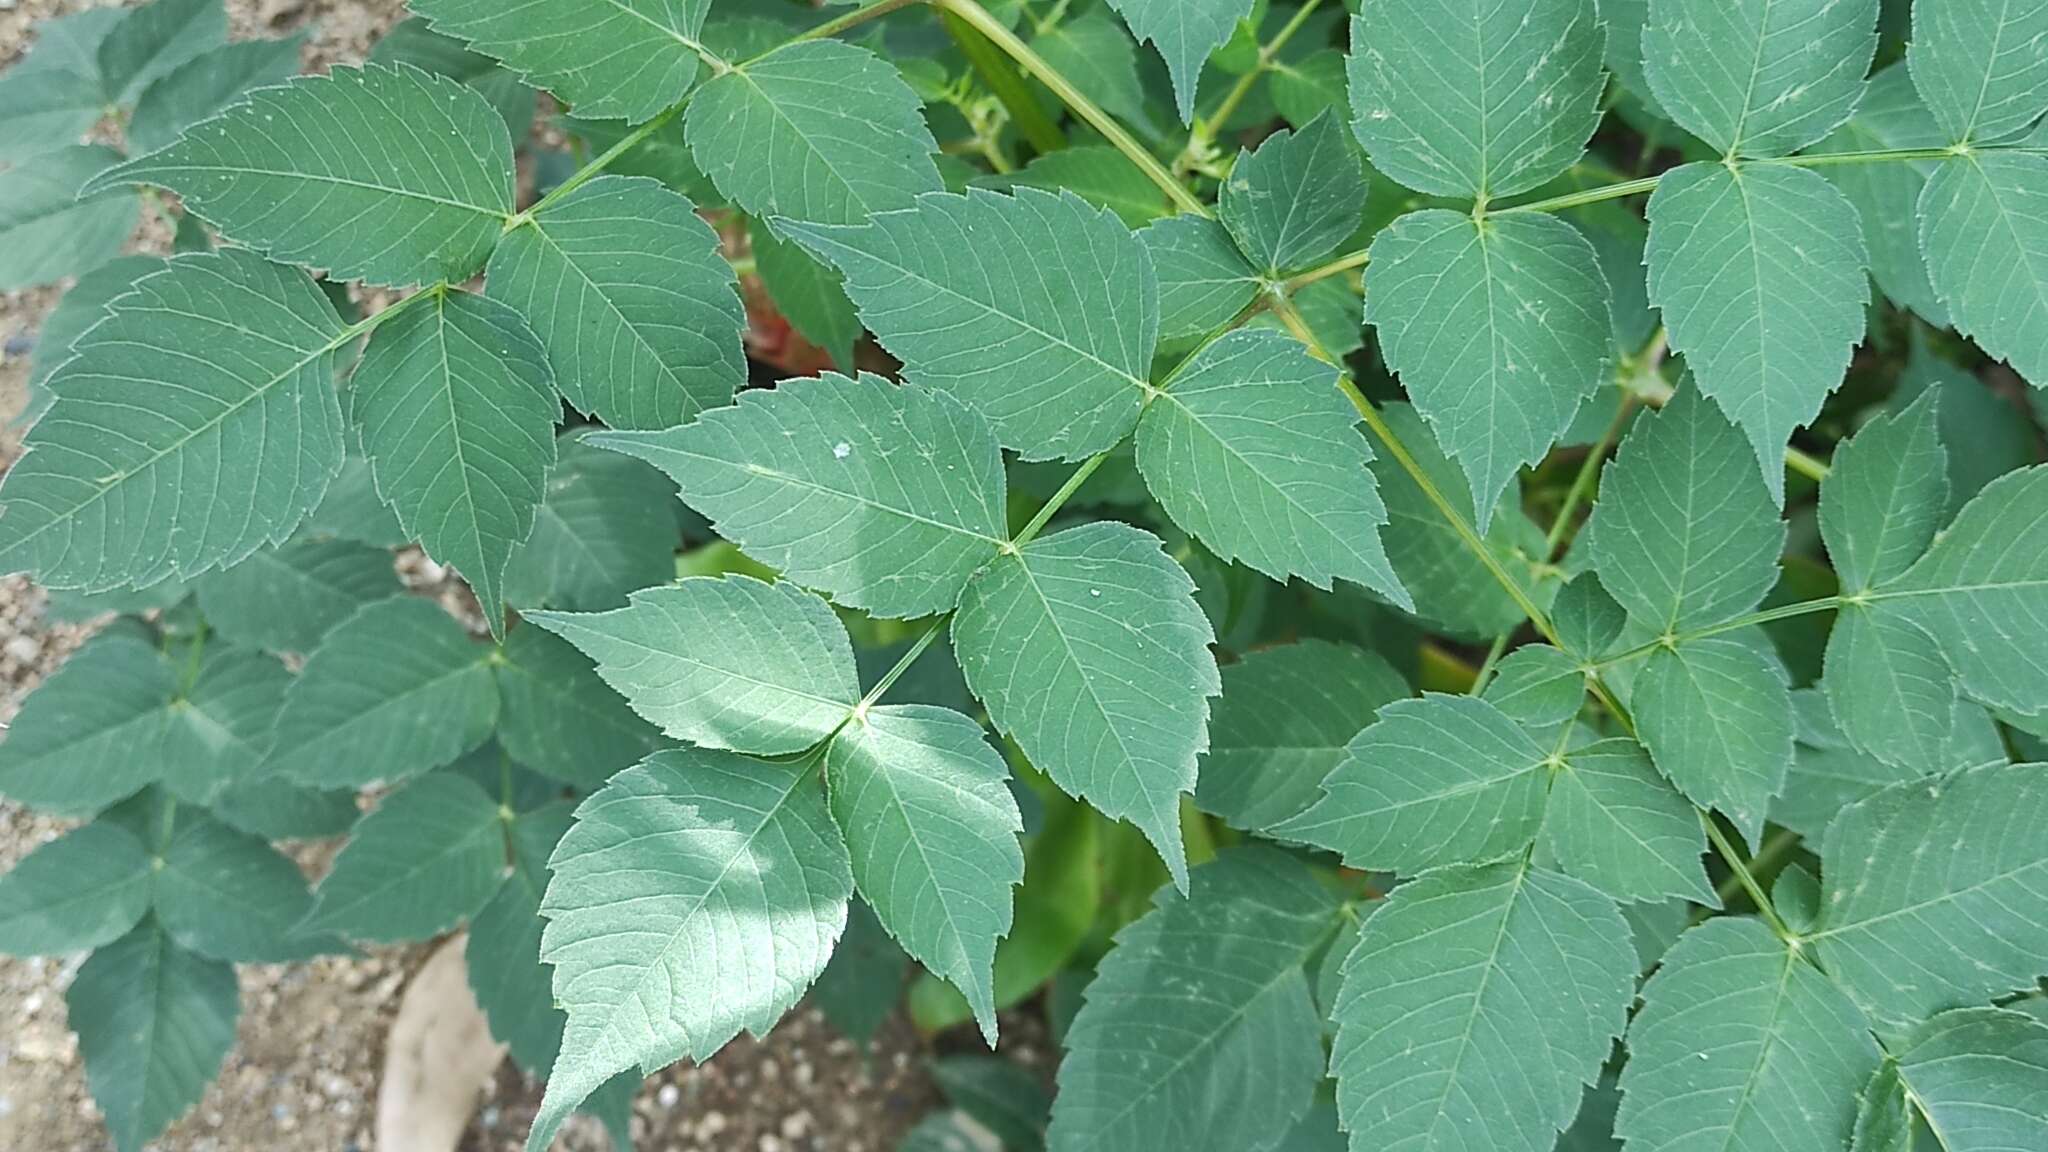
column 154, row 38
column 1978, row 432
column 352, row 510
column 86, row 888
column 1828, row 774
column 1435, row 781
column 1249, row 448
column 888, row 497
column 1291, row 203
column 1977, row 1076
column 53, row 94
column 1306, row 88
column 608, row 58
column 862, row 985
column 1759, row 77
column 1204, row 280
column 1613, row 822
column 1097, row 173
column 1198, row 1030
column 429, row 161
column 624, row 283
column 457, row 409
column 1885, row 497
column 277, row 809
column 1090, row 652
column 205, row 84
column 1500, row 329
column 1477, row 1008
column 698, row 869
column 1453, row 100
column 1185, row 32
column 932, row 828
column 154, row 1022
column 819, row 132
column 1002, row 1095
column 1741, row 1044
column 1716, row 716
column 1282, row 725
column 1887, row 195
column 1984, row 229
column 48, row 230
column 285, row 599
column 1890, row 689
column 1098, row 57
column 810, row 295
column 412, row 41
column 559, row 719
column 604, row 529
column 219, row 724
column 393, row 691
column 81, row 307
column 1934, row 893
column 86, row 737
column 215, row 376
column 1588, row 620
column 510, row 983
column 427, row 856
column 1538, row 687
column 1981, row 592
column 1979, row 67
column 1684, row 535
column 1055, row 351
column 723, row 663
column 1758, row 271
column 231, row 896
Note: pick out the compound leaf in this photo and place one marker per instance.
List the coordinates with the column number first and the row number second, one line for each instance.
column 605, row 528
column 560, row 719
column 1476, row 1009
column 698, row 870
column 1759, row 272
column 1089, row 650
column 457, row 408
column 1499, row 328
column 195, row 424
column 1759, row 77
column 931, row 827
column 86, row 888
column 1978, row 65
column 285, row 599
column 1984, row 230
column 429, row 854
column 1290, row 203
column 1250, row 449
column 1185, row 32
column 1452, row 100
column 888, row 497
column 623, row 282
column 609, row 58
column 1037, row 310
column 1613, row 822
column 723, row 663
column 1716, row 715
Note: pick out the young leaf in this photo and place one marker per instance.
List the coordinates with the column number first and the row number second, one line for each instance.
column 1981, row 593
column 1282, row 724
column 1477, row 1008
column 623, row 282
column 560, row 719
column 1613, row 822
column 1291, row 203
column 1452, row 100
column 1759, row 272
column 609, row 58
column 820, row 132
column 723, row 663
column 457, row 409
column 88, row 734
column 605, row 529
column 1887, row 196
column 1716, row 714
column 206, row 84
column 931, row 827
column 1204, row 280
column 231, row 896
column 1758, row 77
column 1185, row 32
column 48, row 230
column 1984, row 230
column 285, row 599
column 698, row 870
column 1435, row 781
column 1500, row 329
column 1977, row 64
column 428, row 159
column 1090, row 652
column 154, row 38
column 1885, row 496
column 86, row 888
column 888, row 497
column 1934, row 893
column 1683, row 534
column 215, row 376
column 1250, row 449
column 154, row 1022
column 1037, row 310
column 1198, row 1030
column 393, row 691
column 428, row 855
column 1978, row 1076
column 1741, row 1044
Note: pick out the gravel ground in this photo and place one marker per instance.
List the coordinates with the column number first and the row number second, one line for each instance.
column 303, row 1073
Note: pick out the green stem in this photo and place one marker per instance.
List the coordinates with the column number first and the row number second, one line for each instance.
column 1776, row 845
column 1203, row 137
column 902, row 665
column 851, row 20
column 1492, row 661
column 1337, row 267
column 1782, row 612
column 1060, row 498
column 1002, row 78
column 1740, row 868
column 627, row 143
